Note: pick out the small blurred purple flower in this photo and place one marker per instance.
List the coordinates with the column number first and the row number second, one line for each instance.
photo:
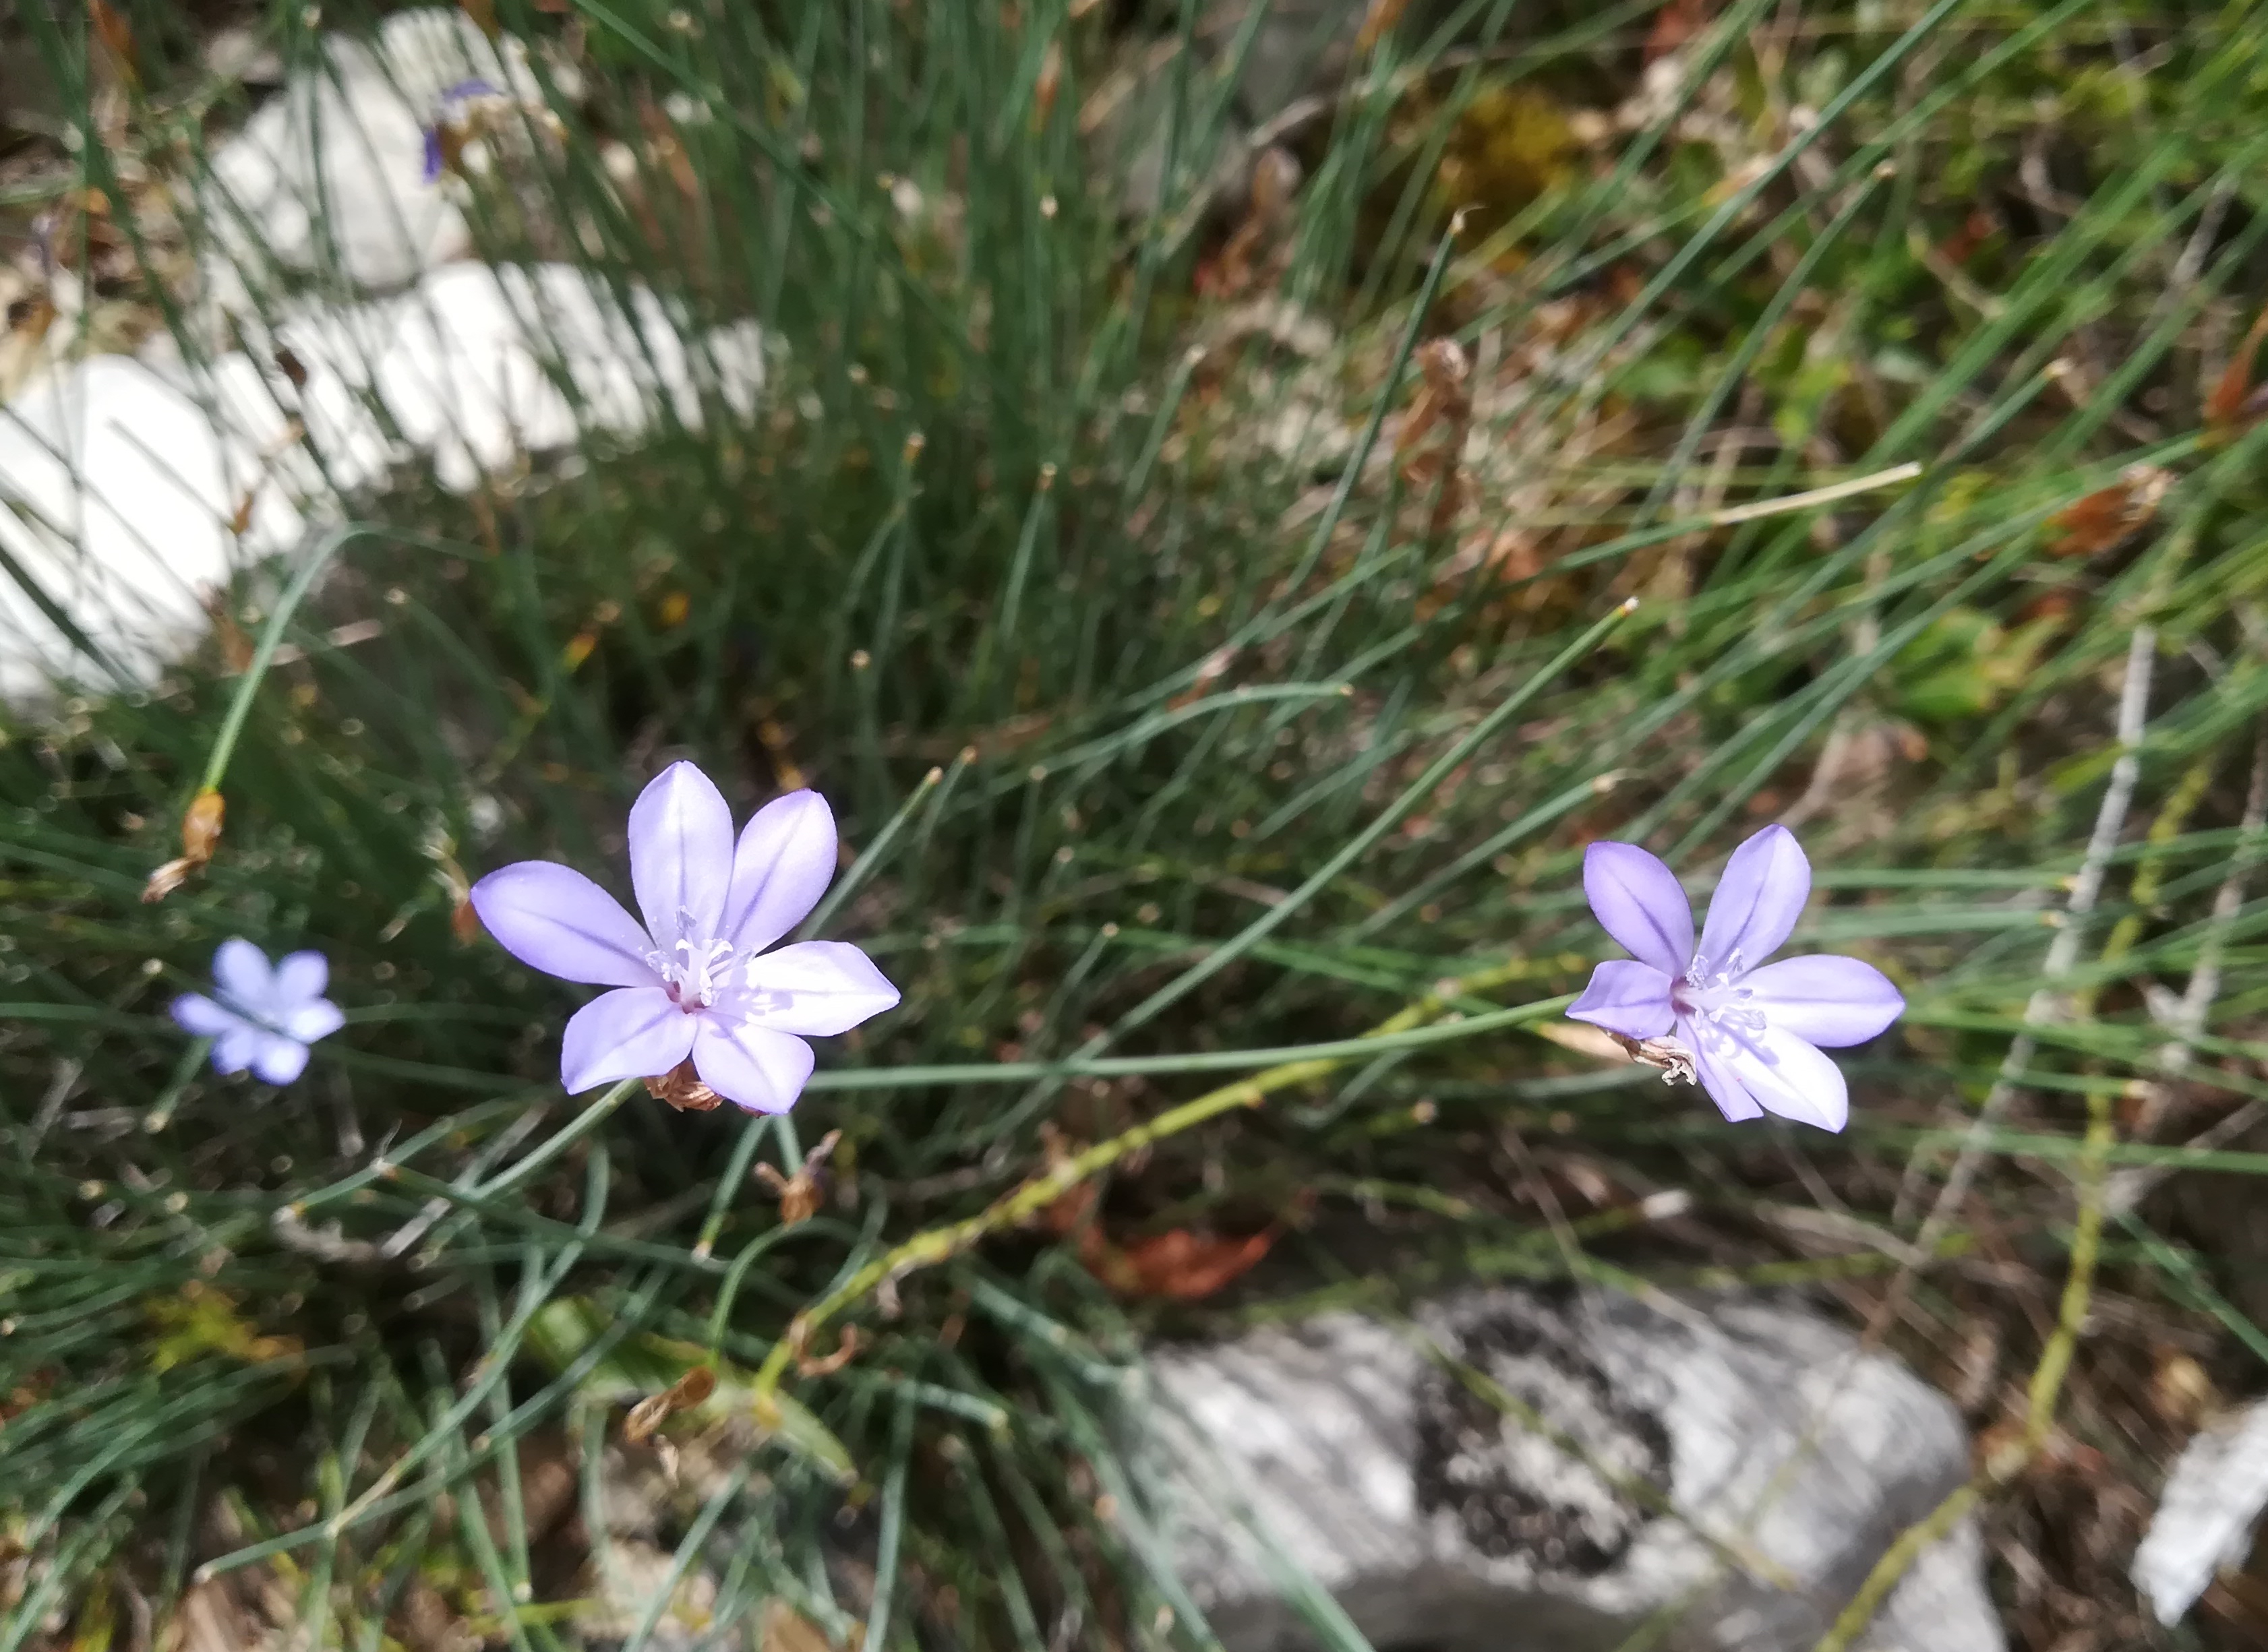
column 454, row 101
column 1753, row 1033
column 695, row 982
column 264, row 1017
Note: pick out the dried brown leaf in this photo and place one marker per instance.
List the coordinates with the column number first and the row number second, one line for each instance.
column 2231, row 396
column 1382, row 16
column 1178, row 1265
column 2108, row 515
column 689, row 1391
column 1676, row 23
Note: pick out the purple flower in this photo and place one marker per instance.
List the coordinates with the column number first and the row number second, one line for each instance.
column 454, row 103
column 695, row 982
column 1751, row 1034
column 265, row 1017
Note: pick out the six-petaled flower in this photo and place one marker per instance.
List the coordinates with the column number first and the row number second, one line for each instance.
column 262, row 1017
column 696, row 981
column 1753, row 1029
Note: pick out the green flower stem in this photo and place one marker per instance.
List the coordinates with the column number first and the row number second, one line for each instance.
column 1333, row 1052
column 589, row 1119
column 938, row 1244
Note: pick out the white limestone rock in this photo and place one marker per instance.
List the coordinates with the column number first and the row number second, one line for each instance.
column 117, row 497
column 1340, row 1451
column 2212, row 1502
column 131, row 490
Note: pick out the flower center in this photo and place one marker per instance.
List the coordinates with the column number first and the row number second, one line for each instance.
column 693, row 972
column 1718, row 1012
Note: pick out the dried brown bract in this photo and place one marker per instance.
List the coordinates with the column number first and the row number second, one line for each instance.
column 1672, row 1060
column 1431, row 444
column 689, row 1391
column 683, row 1088
column 201, row 827
column 800, row 1193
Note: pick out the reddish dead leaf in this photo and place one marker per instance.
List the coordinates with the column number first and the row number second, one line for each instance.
column 29, row 1392
column 662, row 146
column 1066, row 1212
column 1253, row 253
column 464, row 922
column 117, row 37
column 2049, row 605
column 2107, row 516
column 1050, row 84
column 1964, row 241
column 1382, row 15
column 1182, row 1266
column 1675, row 24
column 483, row 13
column 650, row 1413
column 2232, row 394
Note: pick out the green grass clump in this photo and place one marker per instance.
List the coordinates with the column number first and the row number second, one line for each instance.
column 1184, row 693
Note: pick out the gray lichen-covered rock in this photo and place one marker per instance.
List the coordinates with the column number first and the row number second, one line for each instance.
column 1575, row 1465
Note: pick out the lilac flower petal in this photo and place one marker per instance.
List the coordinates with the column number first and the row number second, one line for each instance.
column 432, row 170
column 279, row 1059
column 1722, row 1080
column 1757, row 900
column 632, row 1032
column 199, row 1016
column 817, row 988
column 241, row 972
column 309, row 1022
column 300, row 976
column 1637, row 900
column 1627, row 997
column 237, row 1048
column 554, row 919
column 1799, row 1082
column 784, row 863
column 750, row 1066
column 680, row 854
column 1825, row 1000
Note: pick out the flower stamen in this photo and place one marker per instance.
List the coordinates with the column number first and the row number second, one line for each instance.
column 692, row 972
column 1720, row 1012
